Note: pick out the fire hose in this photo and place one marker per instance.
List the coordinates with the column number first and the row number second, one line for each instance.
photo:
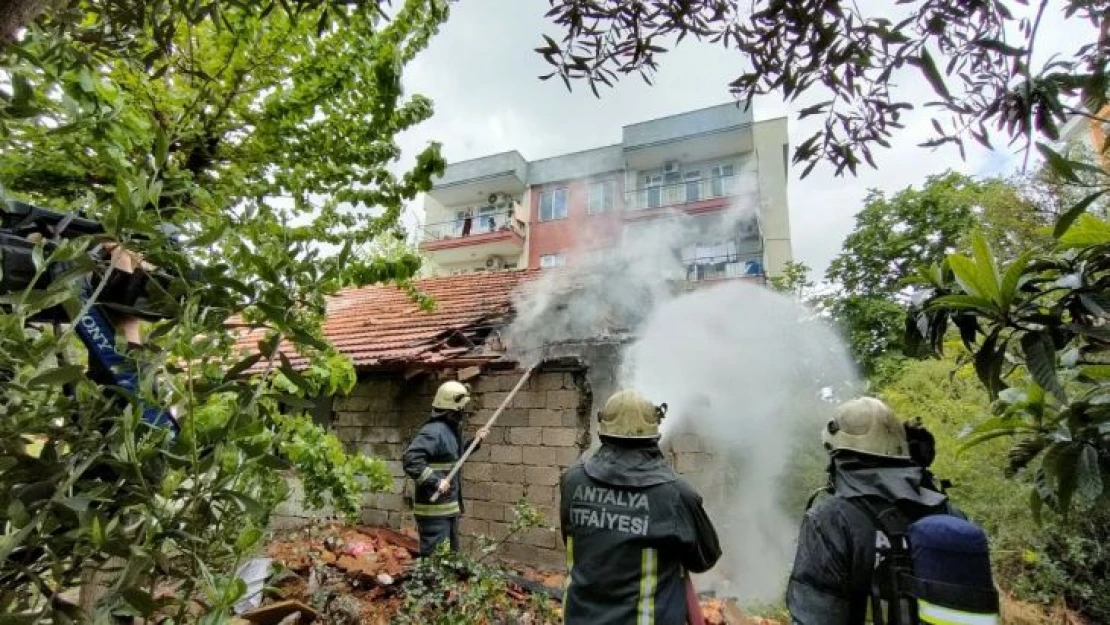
column 489, row 424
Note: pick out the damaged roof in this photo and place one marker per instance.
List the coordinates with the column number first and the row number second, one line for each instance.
column 381, row 326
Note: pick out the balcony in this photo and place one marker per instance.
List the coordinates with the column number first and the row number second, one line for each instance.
column 723, row 267
column 492, row 233
column 692, row 193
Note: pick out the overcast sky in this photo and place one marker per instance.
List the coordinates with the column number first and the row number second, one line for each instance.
column 481, row 72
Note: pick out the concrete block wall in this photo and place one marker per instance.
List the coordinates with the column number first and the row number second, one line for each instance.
column 541, row 433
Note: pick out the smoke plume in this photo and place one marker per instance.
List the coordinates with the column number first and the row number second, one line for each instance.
column 743, row 370
column 745, row 373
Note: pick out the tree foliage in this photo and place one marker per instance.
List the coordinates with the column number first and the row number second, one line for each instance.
column 1037, row 326
column 896, row 234
column 977, row 57
column 260, row 133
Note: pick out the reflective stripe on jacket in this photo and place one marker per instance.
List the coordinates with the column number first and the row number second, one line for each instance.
column 428, row 459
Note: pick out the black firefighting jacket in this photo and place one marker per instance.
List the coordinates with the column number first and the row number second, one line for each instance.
column 429, row 458
column 831, row 580
column 632, row 530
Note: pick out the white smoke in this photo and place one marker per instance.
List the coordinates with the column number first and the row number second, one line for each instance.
column 745, row 372
column 742, row 369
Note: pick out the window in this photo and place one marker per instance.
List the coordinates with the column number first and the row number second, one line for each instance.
column 553, row 205
column 487, row 220
column 723, row 181
column 653, row 183
column 552, row 260
column 603, row 196
column 693, row 185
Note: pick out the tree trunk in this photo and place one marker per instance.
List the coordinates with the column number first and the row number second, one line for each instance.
column 16, row 14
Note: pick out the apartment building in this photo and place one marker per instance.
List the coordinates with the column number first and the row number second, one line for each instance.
column 505, row 212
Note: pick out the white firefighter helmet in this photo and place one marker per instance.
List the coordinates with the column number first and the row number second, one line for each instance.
column 627, row 414
column 868, row 426
column 451, row 396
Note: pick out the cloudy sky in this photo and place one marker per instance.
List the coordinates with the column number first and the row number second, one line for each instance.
column 481, row 72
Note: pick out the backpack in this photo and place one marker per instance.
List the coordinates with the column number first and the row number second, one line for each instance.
column 934, row 570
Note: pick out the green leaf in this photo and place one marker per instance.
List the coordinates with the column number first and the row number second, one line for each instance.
column 139, row 600
column 970, row 278
column 1058, row 164
column 1064, row 222
column 242, row 366
column 57, row 377
column 986, row 266
column 988, row 363
column 1088, row 231
column 963, row 302
column 932, row 74
column 1040, row 359
column 1010, row 280
column 1089, row 476
column 233, row 592
column 294, row 376
column 248, row 539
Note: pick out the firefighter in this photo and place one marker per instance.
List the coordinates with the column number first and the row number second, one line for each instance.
column 429, row 458
column 871, row 471
column 633, row 529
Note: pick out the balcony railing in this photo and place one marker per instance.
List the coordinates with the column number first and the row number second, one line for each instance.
column 478, row 224
column 685, row 192
column 723, row 266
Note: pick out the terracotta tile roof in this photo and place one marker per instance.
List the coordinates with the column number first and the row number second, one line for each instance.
column 380, row 326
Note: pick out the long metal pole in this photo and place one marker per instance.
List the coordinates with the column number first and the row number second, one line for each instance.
column 489, row 424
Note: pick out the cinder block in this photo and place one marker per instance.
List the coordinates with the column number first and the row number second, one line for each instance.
column 377, row 518
column 545, row 417
column 362, row 389
column 481, row 454
column 542, row 537
column 562, row 399
column 505, row 492
column 541, row 476
column 473, row 527
column 530, row 399
column 560, row 437
column 477, row 471
column 486, row 510
column 525, row 436
column 490, row 401
column 498, row 531
column 532, row 556
column 541, row 495
column 551, row 456
column 551, row 381
column 505, row 454
column 571, row 419
column 477, row 491
column 550, row 515
column 514, row 417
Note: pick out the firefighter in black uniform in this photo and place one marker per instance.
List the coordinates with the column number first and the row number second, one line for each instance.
column 871, row 462
column 633, row 529
column 429, row 458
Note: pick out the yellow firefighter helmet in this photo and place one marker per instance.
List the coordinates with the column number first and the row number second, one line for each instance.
column 868, row 426
column 627, row 414
column 451, row 396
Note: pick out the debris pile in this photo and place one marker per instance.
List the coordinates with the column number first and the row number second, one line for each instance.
column 344, row 574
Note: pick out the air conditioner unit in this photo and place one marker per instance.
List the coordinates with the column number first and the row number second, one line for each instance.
column 670, row 167
column 495, row 262
column 492, row 199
